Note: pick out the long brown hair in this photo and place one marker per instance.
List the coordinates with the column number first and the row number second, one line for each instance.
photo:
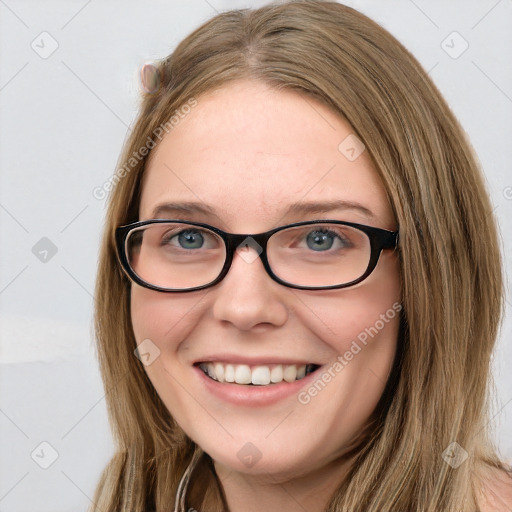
column 449, row 253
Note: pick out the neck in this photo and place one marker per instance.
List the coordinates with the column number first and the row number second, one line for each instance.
column 254, row 493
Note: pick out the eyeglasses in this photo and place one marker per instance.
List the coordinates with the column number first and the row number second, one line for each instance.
column 176, row 256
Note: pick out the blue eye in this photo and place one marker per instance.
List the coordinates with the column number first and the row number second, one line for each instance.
column 190, row 237
column 186, row 239
column 319, row 239
column 322, row 239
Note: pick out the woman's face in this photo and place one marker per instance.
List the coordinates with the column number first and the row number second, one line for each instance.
column 248, row 152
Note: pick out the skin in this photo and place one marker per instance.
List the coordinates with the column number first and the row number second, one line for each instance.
column 249, row 151
column 496, row 492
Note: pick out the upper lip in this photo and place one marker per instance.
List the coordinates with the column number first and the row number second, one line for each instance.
column 252, row 361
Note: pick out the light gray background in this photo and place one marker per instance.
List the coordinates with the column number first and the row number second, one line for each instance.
column 63, row 120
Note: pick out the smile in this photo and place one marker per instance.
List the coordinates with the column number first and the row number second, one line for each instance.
column 260, row 375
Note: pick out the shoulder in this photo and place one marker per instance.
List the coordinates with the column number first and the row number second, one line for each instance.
column 497, row 492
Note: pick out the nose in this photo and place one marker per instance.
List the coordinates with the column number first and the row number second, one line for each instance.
column 247, row 296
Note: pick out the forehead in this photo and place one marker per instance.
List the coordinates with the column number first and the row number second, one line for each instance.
column 248, row 151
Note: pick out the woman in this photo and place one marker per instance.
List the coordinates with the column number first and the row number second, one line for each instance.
column 334, row 354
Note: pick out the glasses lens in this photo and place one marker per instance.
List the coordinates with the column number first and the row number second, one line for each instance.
column 175, row 255
column 319, row 254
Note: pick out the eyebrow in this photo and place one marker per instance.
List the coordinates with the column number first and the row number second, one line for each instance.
column 293, row 209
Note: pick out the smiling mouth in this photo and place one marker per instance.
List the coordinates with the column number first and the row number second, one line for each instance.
column 260, row 375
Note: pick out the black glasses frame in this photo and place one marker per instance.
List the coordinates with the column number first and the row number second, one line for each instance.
column 380, row 239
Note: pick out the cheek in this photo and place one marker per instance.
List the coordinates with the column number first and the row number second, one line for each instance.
column 163, row 316
column 166, row 319
column 360, row 326
column 363, row 313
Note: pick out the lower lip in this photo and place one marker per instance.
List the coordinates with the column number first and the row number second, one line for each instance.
column 245, row 394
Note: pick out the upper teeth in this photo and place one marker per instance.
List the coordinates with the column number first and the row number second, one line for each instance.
column 258, row 375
